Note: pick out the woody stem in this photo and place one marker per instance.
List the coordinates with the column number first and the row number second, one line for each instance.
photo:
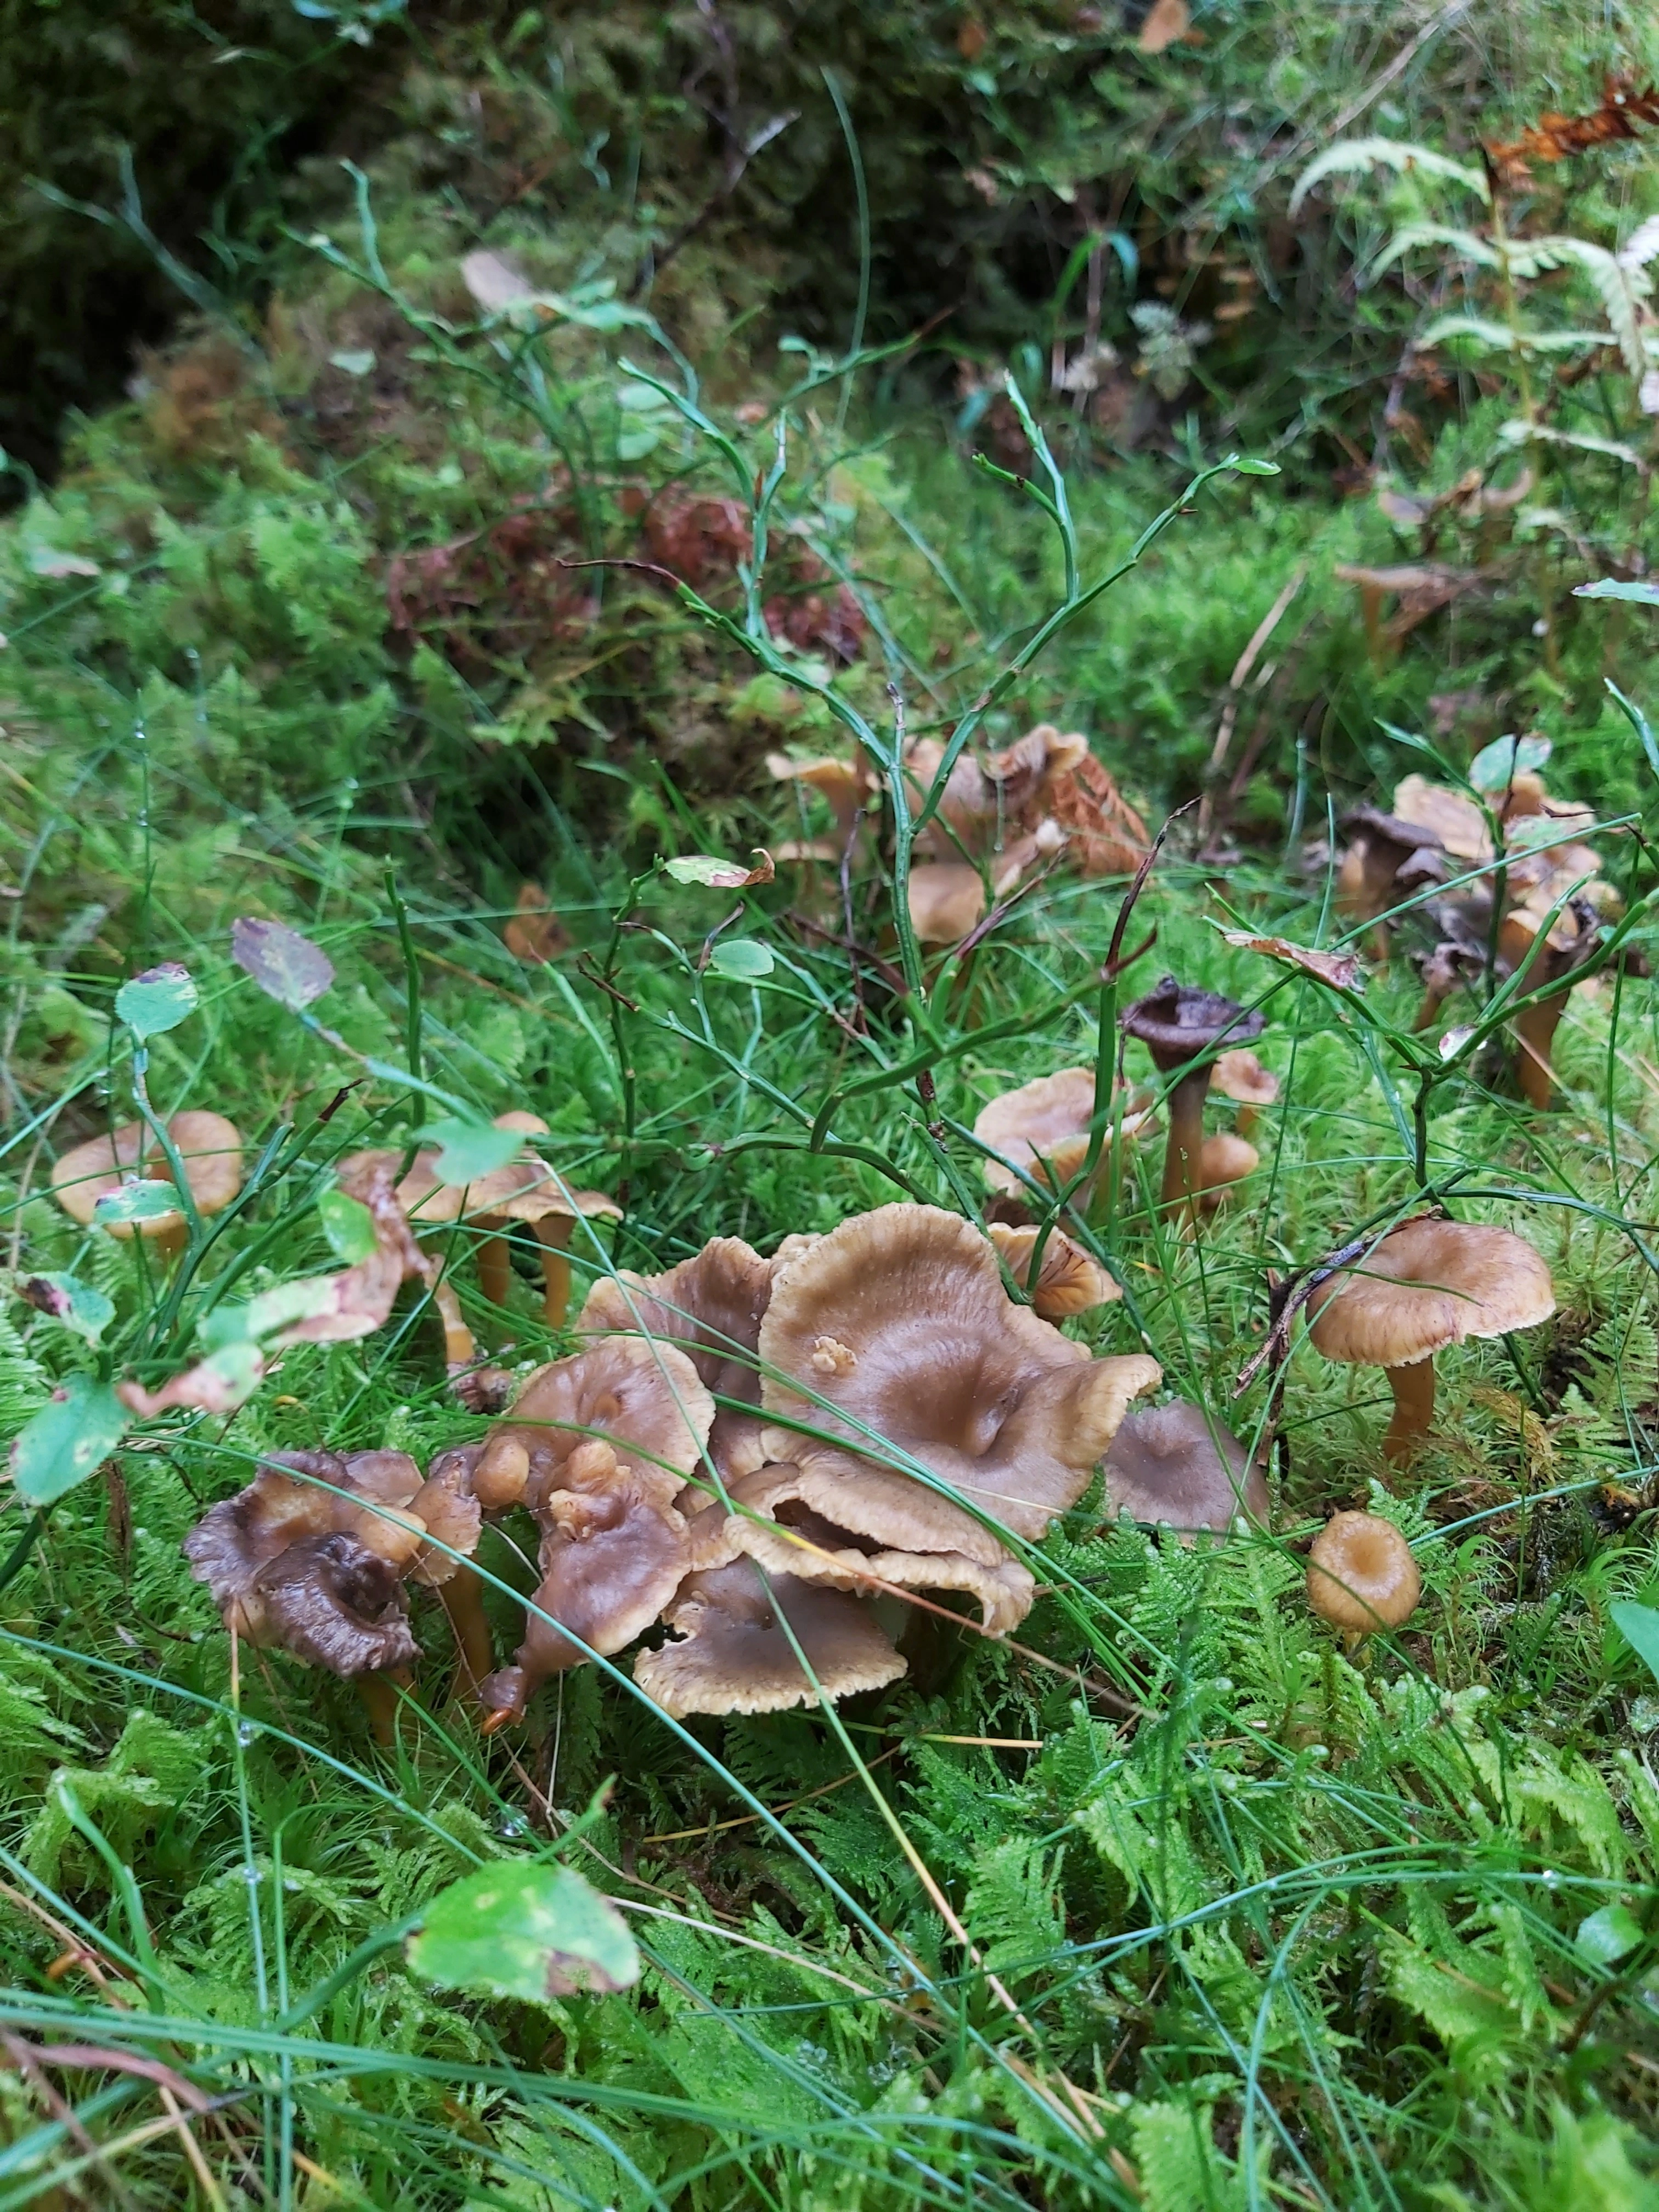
column 1413, row 1409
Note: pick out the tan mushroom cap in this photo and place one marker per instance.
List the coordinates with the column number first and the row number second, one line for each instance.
column 451, row 1514
column 1361, row 1574
column 1047, row 1121
column 1223, row 1160
column 612, row 1556
column 209, row 1146
column 844, row 784
column 1173, row 1463
column 523, row 1189
column 1241, row 1077
column 1427, row 1286
column 1456, row 822
column 647, row 1399
column 710, row 1306
column 933, row 1358
column 796, row 1540
column 946, row 898
column 1069, row 1280
column 731, row 1655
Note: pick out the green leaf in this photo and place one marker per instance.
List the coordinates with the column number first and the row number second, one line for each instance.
column 525, row 1929
column 156, row 1001
column 741, row 959
column 67, row 1440
column 1609, row 1935
column 635, row 442
column 349, row 1226
column 353, row 363
column 286, row 966
column 1639, row 1626
column 469, row 1150
column 1614, row 587
column 1495, row 766
column 142, row 1200
column 1250, row 467
column 77, row 1306
column 715, row 874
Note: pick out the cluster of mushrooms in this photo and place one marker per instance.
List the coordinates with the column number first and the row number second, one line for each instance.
column 1532, row 906
column 770, row 1458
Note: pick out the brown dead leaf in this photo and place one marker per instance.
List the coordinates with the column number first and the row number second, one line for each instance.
column 535, row 935
column 1169, row 20
column 1340, row 970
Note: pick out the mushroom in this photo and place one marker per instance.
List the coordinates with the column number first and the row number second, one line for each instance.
column 1423, row 1287
column 1241, row 1077
column 1176, row 1024
column 449, row 1511
column 1223, row 1161
column 209, row 1147
column 844, row 785
column 613, row 1553
column 1174, row 1463
column 1361, row 1575
column 981, row 803
column 732, row 1655
column 1383, row 849
column 1439, row 816
column 646, row 1398
column 711, row 1306
column 1040, row 1132
column 1540, row 958
column 1069, row 1280
column 945, row 899
column 894, row 1335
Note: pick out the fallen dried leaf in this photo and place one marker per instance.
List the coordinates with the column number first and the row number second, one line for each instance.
column 1340, row 970
column 535, row 935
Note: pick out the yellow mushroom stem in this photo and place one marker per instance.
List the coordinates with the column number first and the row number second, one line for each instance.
column 1413, row 1409
column 1535, row 1034
column 1247, row 1118
column 380, row 1701
column 553, row 1234
column 460, row 1348
column 475, row 1656
column 1182, row 1176
column 495, row 1268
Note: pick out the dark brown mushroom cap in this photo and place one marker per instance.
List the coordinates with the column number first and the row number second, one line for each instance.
column 1173, row 1463
column 1361, row 1574
column 710, row 1306
column 1176, row 1024
column 1430, row 1285
column 612, row 1556
column 731, row 1655
column 332, row 1602
column 896, row 1331
column 236, row 1538
column 1391, row 836
column 644, row 1397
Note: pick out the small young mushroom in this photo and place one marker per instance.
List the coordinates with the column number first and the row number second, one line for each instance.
column 732, row 1654
column 1361, row 1575
column 1177, row 1025
column 946, row 898
column 1069, row 1280
column 711, row 1306
column 945, row 1372
column 1042, row 1129
column 1241, row 1077
column 1175, row 1464
column 1427, row 1286
column 209, row 1149
column 644, row 1398
column 1223, row 1161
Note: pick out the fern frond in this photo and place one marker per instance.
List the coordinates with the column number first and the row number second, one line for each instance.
column 1622, row 290
column 1642, row 246
column 1468, row 244
column 1355, row 155
column 1498, row 337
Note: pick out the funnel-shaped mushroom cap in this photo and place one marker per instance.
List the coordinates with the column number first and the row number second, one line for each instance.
column 1069, row 1280
column 1223, row 1160
column 1361, row 1574
column 733, row 1656
column 1173, row 1463
column 711, row 1306
column 611, row 1558
column 1046, row 1121
column 332, row 1602
column 646, row 1398
column 209, row 1146
column 294, row 1495
column 1429, row 1285
column 796, row 1540
column 844, row 784
column 946, row 899
column 1241, row 1076
column 450, row 1513
column 1176, row 1023
column 895, row 1330
column 1443, row 817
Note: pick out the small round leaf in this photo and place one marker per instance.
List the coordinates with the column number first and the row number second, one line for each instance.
column 349, row 1226
column 525, row 1929
column 741, row 959
column 469, row 1150
column 76, row 1304
column 156, row 1001
column 286, row 966
column 1609, row 1935
column 70, row 1436
column 142, row 1200
column 1495, row 766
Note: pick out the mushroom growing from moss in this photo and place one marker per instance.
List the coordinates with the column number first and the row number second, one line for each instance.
column 1542, row 958
column 209, row 1149
column 1069, row 1280
column 1223, row 1161
column 732, row 1655
column 1381, row 847
column 645, row 1399
column 1361, row 1575
column 1427, row 1286
column 1040, row 1132
column 1175, row 1464
column 1241, row 1077
column 1177, row 1025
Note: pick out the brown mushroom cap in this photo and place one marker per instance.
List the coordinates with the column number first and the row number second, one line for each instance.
column 731, row 1655
column 1426, row 1286
column 1069, row 1280
column 1223, row 1160
column 1241, row 1077
column 933, row 1358
column 1173, row 1463
column 1447, row 817
column 1045, row 1120
column 1176, row 1024
column 446, row 1505
column 1361, row 1574
column 946, row 898
column 647, row 1399
column 844, row 784
column 711, row 1306
column 331, row 1602
column 209, row 1146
